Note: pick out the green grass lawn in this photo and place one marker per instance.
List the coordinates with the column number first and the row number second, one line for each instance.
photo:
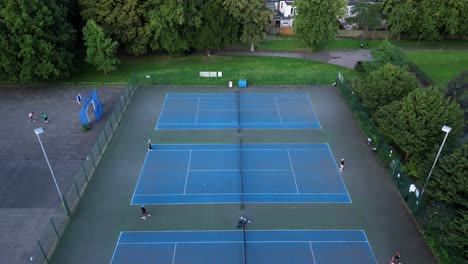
column 185, row 70
column 440, row 65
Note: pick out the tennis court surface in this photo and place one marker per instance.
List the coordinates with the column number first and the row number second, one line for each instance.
column 261, row 246
column 229, row 111
column 240, row 173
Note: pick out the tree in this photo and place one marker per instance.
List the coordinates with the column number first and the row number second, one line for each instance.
column 384, row 86
column 253, row 17
column 317, row 20
column 427, row 19
column 386, row 53
column 413, row 124
column 366, row 15
column 100, row 49
column 35, row 41
column 449, row 182
column 124, row 20
column 172, row 23
column 217, row 27
column 457, row 89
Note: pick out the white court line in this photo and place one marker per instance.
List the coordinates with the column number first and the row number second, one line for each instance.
column 313, row 111
column 243, row 110
column 189, row 144
column 220, row 194
column 220, row 149
column 115, row 249
column 162, row 110
column 141, row 172
column 248, row 123
column 245, row 170
column 337, row 170
column 198, row 108
column 187, row 172
column 312, row 251
column 292, row 169
column 174, row 254
column 238, row 242
column 253, row 231
column 250, row 96
column 370, row 247
column 277, row 109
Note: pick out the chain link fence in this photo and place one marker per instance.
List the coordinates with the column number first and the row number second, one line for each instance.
column 409, row 190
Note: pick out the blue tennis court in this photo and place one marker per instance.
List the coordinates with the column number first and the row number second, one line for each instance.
column 229, row 111
column 234, row 173
column 261, row 246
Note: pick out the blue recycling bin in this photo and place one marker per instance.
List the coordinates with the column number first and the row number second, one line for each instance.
column 242, row 83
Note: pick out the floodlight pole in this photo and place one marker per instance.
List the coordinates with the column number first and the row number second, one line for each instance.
column 38, row 131
column 447, row 130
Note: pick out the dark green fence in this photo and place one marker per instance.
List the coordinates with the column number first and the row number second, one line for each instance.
column 409, row 190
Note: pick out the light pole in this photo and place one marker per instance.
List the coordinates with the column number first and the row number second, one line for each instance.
column 38, row 131
column 447, row 130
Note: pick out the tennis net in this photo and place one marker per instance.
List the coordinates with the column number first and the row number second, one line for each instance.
column 239, row 143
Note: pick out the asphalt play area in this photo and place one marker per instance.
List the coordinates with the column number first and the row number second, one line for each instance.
column 193, row 181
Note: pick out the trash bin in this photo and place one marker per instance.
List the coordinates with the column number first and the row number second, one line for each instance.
column 242, row 83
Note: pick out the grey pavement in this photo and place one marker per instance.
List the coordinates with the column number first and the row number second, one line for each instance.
column 344, row 58
column 28, row 196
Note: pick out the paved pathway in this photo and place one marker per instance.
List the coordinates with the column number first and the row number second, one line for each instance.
column 344, row 58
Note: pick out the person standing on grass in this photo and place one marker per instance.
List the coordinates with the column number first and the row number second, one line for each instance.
column 144, row 214
column 341, row 165
column 395, row 259
column 31, row 117
column 44, row 115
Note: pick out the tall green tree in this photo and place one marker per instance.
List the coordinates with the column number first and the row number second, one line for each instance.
column 414, row 123
column 427, row 19
column 384, row 86
column 457, row 89
column 401, row 15
column 35, row 41
column 100, row 49
column 172, row 24
column 317, row 20
column 449, row 182
column 253, row 17
column 124, row 20
column 386, row 53
column 368, row 16
column 217, row 28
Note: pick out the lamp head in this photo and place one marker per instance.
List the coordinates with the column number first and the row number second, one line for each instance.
column 39, row 130
column 446, row 129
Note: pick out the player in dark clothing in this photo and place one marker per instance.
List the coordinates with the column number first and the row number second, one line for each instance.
column 242, row 222
column 395, row 259
column 144, row 214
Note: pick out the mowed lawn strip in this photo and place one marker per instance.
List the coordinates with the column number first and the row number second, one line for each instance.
column 440, row 65
column 185, row 70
